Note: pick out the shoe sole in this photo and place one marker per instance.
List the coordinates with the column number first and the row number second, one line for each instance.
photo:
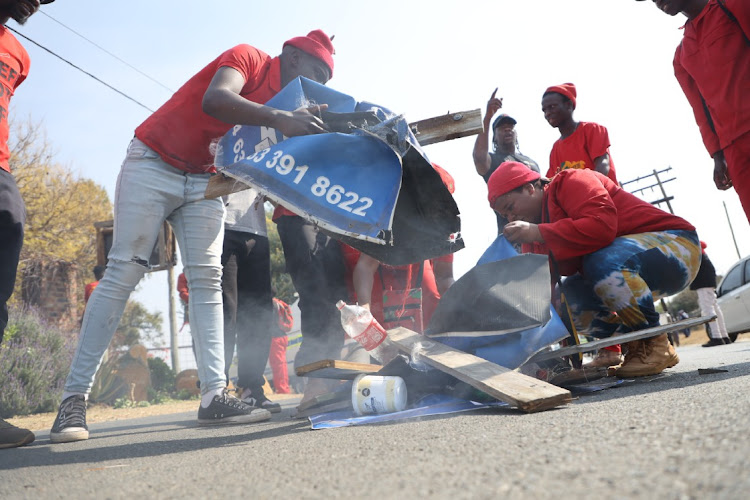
column 68, row 437
column 275, row 409
column 23, row 442
column 255, row 416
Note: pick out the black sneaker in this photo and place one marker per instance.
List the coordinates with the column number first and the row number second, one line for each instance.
column 713, row 342
column 226, row 409
column 70, row 424
column 13, row 437
column 262, row 402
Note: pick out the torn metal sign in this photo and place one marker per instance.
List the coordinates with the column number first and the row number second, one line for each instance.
column 369, row 184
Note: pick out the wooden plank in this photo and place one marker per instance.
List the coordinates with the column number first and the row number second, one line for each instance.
column 336, row 369
column 344, row 392
column 621, row 339
column 428, row 131
column 222, row 185
column 337, row 406
column 447, row 127
column 516, row 389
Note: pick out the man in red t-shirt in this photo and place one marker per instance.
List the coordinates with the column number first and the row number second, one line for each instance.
column 14, row 67
column 712, row 64
column 279, row 344
column 581, row 144
column 164, row 177
column 89, row 289
column 616, row 250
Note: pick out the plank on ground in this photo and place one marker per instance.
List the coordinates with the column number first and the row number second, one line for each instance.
column 516, row 389
column 620, row 339
column 429, row 131
column 336, row 369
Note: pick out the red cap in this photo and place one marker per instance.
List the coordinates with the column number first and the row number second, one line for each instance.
column 446, row 178
column 317, row 44
column 566, row 89
column 509, row 176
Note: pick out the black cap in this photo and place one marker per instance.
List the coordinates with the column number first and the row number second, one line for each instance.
column 503, row 119
column 45, row 1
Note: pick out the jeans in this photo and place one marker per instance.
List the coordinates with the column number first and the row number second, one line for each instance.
column 12, row 218
column 248, row 306
column 620, row 282
column 149, row 191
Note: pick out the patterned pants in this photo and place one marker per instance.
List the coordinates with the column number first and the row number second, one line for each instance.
column 620, row 282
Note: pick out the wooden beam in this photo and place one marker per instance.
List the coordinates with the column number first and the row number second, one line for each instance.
column 429, row 131
column 336, row 369
column 447, row 127
column 518, row 390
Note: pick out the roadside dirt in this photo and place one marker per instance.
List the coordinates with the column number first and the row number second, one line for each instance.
column 103, row 413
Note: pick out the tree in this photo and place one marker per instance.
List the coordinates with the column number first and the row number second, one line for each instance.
column 280, row 279
column 137, row 326
column 61, row 207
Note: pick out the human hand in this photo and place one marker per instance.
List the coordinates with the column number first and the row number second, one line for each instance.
column 303, row 121
column 520, row 231
column 493, row 105
column 721, row 174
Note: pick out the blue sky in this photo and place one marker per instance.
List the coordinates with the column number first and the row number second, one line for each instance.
column 419, row 58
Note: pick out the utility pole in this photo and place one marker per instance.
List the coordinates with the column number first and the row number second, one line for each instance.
column 659, row 183
column 173, row 340
column 731, row 230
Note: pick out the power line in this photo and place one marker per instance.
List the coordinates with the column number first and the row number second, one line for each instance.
column 108, row 52
column 81, row 69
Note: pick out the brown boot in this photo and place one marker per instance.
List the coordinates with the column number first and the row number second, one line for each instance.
column 604, row 359
column 648, row 357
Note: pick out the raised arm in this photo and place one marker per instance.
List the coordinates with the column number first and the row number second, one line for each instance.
column 481, row 145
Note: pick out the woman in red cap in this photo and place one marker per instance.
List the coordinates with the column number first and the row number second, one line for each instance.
column 619, row 253
column 582, row 145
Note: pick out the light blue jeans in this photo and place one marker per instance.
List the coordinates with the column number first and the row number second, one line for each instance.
column 150, row 191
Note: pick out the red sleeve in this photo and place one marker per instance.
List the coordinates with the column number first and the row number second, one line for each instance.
column 597, row 140
column 741, row 10
column 553, row 163
column 182, row 287
column 690, row 88
column 584, row 217
column 245, row 59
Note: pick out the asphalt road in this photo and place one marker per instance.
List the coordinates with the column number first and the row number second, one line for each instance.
column 678, row 435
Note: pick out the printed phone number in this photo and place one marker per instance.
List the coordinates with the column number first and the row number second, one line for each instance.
column 284, row 164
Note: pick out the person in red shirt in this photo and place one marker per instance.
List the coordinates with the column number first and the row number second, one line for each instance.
column 15, row 67
column 619, row 253
column 582, row 145
column 712, row 65
column 164, row 177
column 279, row 343
column 98, row 274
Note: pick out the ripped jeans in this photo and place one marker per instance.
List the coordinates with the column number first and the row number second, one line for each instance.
column 149, row 191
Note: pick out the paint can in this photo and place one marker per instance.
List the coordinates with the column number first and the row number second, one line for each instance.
column 374, row 394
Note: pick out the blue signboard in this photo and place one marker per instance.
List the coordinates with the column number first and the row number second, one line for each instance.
column 347, row 183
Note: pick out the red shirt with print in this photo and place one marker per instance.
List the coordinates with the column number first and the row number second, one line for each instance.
column 713, row 63
column 14, row 67
column 579, row 150
column 181, row 132
column 587, row 211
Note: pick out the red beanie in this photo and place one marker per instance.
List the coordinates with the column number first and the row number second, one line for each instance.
column 566, row 89
column 509, row 176
column 317, row 44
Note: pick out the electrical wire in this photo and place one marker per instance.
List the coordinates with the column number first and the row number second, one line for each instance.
column 108, row 52
column 80, row 69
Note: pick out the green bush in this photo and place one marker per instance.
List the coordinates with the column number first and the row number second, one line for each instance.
column 34, row 360
column 162, row 376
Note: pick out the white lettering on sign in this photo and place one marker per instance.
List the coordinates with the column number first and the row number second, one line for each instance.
column 337, row 195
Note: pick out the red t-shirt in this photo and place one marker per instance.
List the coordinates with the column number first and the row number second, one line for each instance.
column 395, row 278
column 181, row 132
column 587, row 211
column 14, row 67
column 579, row 150
column 713, row 62
column 88, row 290
column 182, row 288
